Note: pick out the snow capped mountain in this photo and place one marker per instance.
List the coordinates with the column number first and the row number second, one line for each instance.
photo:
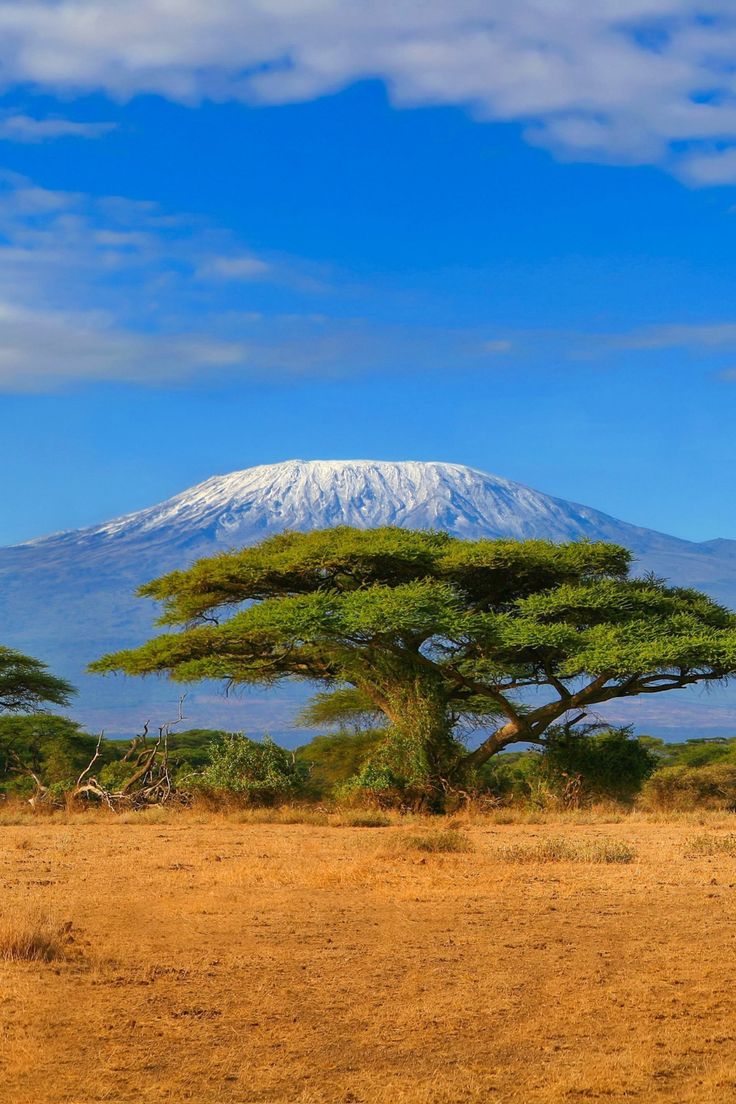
column 69, row 597
column 243, row 506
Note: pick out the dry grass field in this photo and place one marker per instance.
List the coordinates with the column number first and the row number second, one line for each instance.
column 185, row 958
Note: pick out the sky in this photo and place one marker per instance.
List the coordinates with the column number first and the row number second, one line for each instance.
column 242, row 231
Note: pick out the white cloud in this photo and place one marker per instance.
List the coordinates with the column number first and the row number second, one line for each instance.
column 630, row 81
column 24, row 128
column 43, row 349
column 243, row 267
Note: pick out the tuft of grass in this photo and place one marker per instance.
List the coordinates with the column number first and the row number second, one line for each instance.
column 559, row 849
column 706, row 846
column 284, row 815
column 440, row 842
column 32, row 937
column 364, row 820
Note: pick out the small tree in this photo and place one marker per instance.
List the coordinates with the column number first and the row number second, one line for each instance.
column 26, row 684
column 440, row 634
column 259, row 773
column 42, row 749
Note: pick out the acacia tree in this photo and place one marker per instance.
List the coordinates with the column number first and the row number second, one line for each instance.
column 26, row 683
column 436, row 632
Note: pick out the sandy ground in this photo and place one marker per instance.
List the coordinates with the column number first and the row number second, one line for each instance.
column 217, row 961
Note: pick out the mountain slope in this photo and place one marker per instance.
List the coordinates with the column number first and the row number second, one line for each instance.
column 69, row 597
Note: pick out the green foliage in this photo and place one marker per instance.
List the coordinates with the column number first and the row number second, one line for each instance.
column 345, row 707
column 330, row 761
column 611, row 764
column 190, row 750
column 258, row 773
column 26, row 684
column 54, row 748
column 439, row 634
column 702, row 752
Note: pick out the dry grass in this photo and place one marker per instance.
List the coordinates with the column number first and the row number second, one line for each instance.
column 560, row 849
column 30, row 935
column 362, row 819
column 709, row 845
column 440, row 842
column 236, row 962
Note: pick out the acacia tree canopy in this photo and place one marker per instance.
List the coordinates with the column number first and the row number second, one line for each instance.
column 26, row 684
column 436, row 631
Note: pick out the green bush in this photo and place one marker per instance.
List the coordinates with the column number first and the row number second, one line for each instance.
column 257, row 773
column 331, row 761
column 608, row 765
column 573, row 768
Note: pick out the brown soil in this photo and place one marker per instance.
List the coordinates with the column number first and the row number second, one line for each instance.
column 212, row 961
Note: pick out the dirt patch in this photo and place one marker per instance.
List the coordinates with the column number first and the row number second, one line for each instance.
column 311, row 964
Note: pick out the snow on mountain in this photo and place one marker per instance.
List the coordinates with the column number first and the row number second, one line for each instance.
column 69, row 597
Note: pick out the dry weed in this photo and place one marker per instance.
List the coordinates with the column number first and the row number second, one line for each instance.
column 442, row 841
column 32, row 936
column 706, row 846
column 559, row 849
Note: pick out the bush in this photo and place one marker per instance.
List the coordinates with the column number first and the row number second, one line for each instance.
column 609, row 765
column 573, row 768
column 54, row 748
column 257, row 773
column 330, row 761
column 682, row 788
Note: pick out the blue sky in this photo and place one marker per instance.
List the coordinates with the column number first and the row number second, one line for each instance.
column 325, row 229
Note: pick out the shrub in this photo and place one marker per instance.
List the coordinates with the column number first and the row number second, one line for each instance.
column 258, row 773
column 682, row 788
column 564, row 850
column 331, row 761
column 574, row 768
column 597, row 766
column 53, row 747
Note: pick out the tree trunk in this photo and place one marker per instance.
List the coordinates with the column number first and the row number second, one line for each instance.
column 508, row 734
column 422, row 751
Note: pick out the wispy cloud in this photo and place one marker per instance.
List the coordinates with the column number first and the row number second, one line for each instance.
column 629, row 81
column 243, row 267
column 100, row 289
column 25, row 128
column 705, row 336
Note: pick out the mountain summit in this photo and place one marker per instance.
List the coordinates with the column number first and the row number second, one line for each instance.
column 243, row 506
column 69, row 597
